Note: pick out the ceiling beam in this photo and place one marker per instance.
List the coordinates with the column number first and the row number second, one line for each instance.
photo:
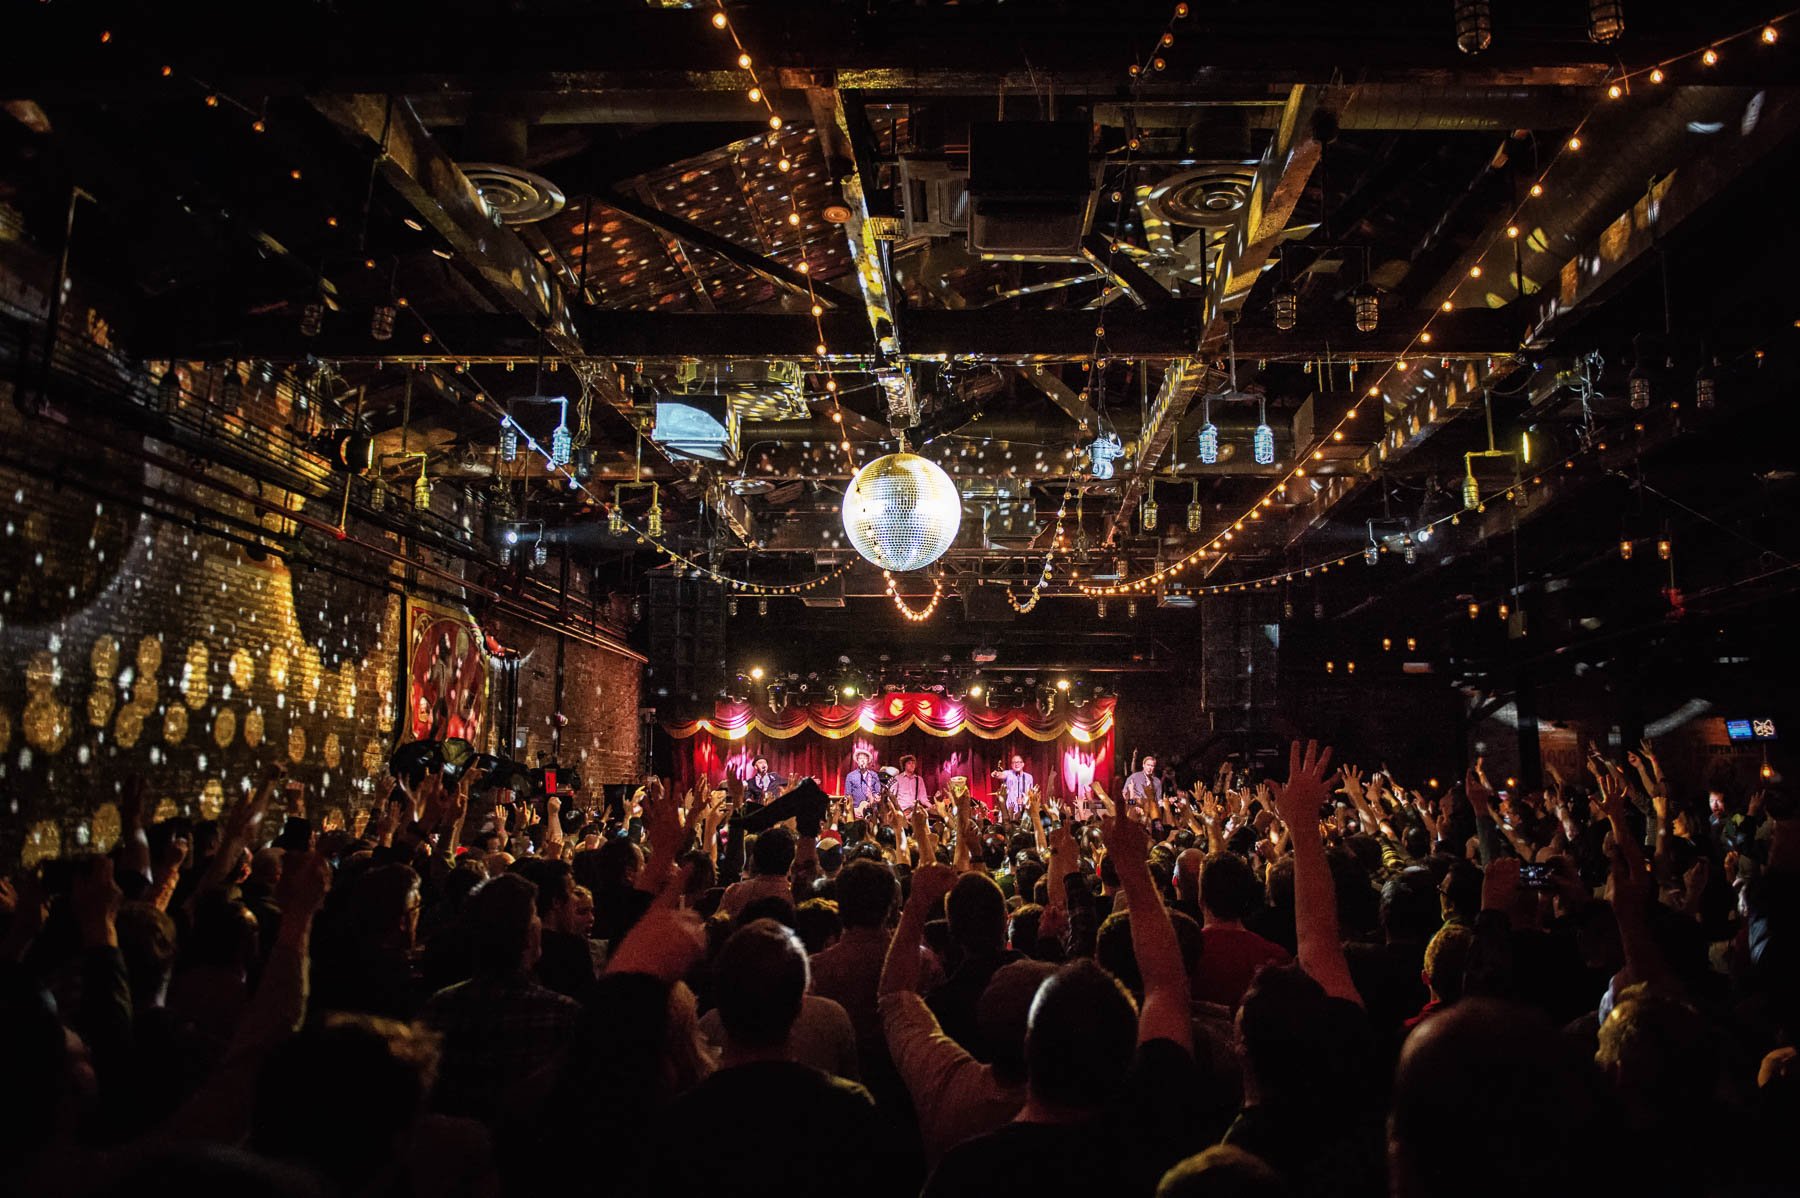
column 760, row 265
column 504, row 267
column 1024, row 338
column 850, row 155
column 1116, row 266
column 1274, row 192
column 1062, row 395
column 431, row 183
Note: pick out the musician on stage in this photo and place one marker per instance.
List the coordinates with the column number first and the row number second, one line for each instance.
column 1015, row 785
column 862, row 785
column 908, row 790
column 762, row 786
column 1144, row 785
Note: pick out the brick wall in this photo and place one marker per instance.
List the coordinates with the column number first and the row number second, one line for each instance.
column 132, row 642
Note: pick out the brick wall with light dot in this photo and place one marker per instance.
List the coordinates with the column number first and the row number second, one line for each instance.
column 131, row 643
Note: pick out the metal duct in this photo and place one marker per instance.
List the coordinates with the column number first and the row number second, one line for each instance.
column 1624, row 151
column 1414, row 107
column 629, row 108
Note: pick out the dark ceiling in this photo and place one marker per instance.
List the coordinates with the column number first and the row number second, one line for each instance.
column 238, row 171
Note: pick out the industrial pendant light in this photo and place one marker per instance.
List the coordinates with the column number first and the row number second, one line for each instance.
column 1263, row 446
column 1474, row 25
column 1606, row 21
column 1208, row 447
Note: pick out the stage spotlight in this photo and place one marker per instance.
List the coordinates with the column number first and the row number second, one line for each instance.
column 756, row 673
column 974, row 690
column 1062, row 684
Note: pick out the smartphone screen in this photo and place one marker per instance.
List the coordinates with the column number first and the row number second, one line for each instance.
column 549, row 782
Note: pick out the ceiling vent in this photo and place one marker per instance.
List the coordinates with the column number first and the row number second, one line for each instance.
column 513, row 194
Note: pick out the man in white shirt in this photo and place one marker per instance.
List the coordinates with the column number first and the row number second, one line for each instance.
column 1015, row 785
column 909, row 789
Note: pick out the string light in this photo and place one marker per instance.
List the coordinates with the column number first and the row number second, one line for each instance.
column 916, row 617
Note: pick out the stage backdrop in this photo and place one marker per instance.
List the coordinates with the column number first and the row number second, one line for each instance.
column 1064, row 751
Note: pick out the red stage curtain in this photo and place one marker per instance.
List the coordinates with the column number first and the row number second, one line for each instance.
column 1064, row 751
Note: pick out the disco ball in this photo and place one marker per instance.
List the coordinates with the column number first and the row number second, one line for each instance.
column 902, row 511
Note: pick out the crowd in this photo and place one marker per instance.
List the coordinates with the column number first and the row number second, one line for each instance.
column 1325, row 983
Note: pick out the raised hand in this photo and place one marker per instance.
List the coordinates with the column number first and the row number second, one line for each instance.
column 1126, row 840
column 930, row 883
column 1306, row 790
column 305, row 880
column 1352, row 779
column 667, row 940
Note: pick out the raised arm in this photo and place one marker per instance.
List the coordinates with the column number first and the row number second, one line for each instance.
column 1166, row 1013
column 900, row 971
column 1315, row 899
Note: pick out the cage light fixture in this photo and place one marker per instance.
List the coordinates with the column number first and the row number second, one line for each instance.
column 1263, row 445
column 1365, row 308
column 381, row 322
column 1626, row 548
column 1606, row 21
column 1639, row 385
column 1706, row 386
column 509, row 440
column 1474, row 25
column 1193, row 510
column 1286, row 309
column 1147, row 515
column 540, row 553
column 312, row 319
column 1208, row 443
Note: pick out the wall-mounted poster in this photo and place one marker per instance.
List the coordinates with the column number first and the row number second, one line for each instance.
column 446, row 674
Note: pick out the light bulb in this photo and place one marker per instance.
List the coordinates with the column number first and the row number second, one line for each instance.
column 1209, row 444
column 1664, row 548
column 1474, row 611
column 1626, row 548
column 1264, row 445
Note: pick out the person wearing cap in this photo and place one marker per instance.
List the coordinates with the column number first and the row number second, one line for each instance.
column 763, row 785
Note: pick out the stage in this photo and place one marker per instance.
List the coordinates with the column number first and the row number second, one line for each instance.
column 1065, row 750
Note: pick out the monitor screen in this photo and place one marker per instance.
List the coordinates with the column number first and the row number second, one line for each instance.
column 1738, row 729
